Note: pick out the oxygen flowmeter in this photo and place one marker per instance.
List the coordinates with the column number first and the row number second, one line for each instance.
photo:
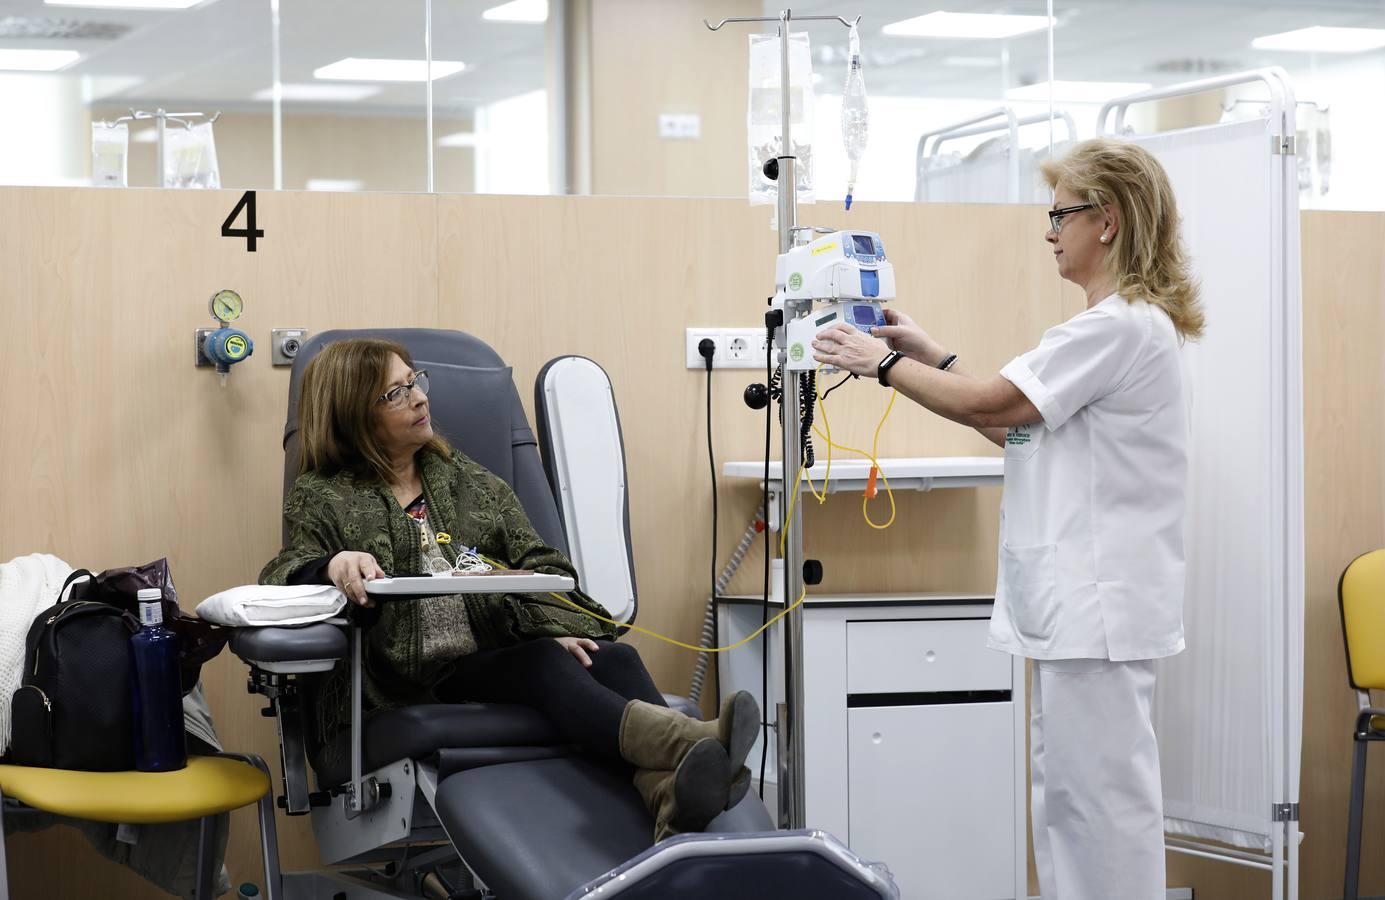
column 845, row 276
column 224, row 346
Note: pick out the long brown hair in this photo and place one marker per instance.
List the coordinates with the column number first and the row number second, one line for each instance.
column 1147, row 258
column 336, row 429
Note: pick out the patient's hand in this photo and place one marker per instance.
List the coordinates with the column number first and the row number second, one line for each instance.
column 350, row 570
column 579, row 648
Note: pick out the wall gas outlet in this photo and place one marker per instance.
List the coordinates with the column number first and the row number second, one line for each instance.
column 286, row 342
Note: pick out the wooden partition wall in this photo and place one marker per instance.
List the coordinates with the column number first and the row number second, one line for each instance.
column 115, row 450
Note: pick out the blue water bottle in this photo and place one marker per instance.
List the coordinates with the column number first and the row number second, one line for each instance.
column 156, row 690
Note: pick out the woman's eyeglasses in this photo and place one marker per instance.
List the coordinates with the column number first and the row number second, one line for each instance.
column 398, row 396
column 1056, row 216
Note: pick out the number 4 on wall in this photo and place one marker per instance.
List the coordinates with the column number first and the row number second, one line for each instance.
column 249, row 232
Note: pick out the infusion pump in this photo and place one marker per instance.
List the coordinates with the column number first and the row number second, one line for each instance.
column 844, row 271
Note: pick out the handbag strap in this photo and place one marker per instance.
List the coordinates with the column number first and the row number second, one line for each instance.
column 76, row 575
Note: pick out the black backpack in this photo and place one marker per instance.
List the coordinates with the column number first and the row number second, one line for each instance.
column 73, row 707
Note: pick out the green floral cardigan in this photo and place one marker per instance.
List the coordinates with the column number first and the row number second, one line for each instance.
column 412, row 646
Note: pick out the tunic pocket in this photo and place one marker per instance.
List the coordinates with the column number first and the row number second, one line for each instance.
column 1031, row 575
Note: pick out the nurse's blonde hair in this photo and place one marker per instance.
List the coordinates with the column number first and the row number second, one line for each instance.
column 1147, row 259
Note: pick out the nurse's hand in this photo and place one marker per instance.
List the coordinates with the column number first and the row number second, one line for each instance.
column 350, row 570
column 849, row 350
column 908, row 338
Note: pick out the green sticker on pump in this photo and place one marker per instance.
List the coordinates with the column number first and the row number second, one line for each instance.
column 796, row 352
column 795, row 281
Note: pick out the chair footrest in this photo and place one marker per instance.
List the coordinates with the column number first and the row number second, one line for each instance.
column 538, row 830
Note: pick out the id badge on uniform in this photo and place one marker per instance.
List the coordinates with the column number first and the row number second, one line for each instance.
column 1022, row 441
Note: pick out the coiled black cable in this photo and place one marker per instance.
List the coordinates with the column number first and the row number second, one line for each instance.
column 807, row 406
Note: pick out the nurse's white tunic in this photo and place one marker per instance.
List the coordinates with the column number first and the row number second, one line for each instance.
column 1091, row 533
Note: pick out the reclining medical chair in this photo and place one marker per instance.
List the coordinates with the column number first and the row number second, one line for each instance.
column 484, row 796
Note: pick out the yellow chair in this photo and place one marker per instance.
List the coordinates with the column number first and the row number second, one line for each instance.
column 1361, row 596
column 208, row 786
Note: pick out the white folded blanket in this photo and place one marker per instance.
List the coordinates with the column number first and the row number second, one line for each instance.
column 28, row 586
column 260, row 604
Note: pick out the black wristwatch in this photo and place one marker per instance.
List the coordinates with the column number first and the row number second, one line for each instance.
column 883, row 369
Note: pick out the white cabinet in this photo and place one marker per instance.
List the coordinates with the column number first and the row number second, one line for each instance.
column 914, row 735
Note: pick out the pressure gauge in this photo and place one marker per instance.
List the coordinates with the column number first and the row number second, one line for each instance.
column 226, row 306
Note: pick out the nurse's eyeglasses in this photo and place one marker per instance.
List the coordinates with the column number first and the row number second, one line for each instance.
column 1056, row 216
column 397, row 397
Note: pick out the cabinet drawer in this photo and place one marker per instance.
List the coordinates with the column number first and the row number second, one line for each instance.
column 923, row 656
column 933, row 795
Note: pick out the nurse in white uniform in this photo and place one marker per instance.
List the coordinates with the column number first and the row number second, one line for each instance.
column 1090, row 582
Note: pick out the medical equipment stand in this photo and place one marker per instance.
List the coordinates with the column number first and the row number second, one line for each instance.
column 161, row 119
column 789, row 715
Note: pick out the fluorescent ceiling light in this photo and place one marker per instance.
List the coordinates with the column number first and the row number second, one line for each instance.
column 126, row 4
column 355, row 69
column 460, row 139
column 1322, row 39
column 1077, row 91
column 971, row 62
column 531, row 11
column 335, row 184
column 37, row 60
column 966, row 25
column 321, row 93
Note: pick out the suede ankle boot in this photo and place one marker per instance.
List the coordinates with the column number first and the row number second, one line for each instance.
column 656, row 737
column 691, row 795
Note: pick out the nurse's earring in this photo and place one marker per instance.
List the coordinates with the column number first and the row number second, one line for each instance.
column 1104, row 239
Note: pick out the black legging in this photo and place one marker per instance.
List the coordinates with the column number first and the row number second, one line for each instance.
column 585, row 704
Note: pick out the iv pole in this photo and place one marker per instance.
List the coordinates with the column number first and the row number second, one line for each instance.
column 161, row 119
column 789, row 714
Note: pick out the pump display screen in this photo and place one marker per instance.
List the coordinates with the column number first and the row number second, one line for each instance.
column 863, row 244
column 863, row 315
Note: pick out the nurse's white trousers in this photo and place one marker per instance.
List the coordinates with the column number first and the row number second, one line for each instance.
column 1097, row 806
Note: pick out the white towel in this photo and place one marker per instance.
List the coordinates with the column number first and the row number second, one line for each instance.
column 259, row 604
column 28, row 586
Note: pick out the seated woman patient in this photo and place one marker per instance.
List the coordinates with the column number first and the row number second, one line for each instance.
column 379, row 492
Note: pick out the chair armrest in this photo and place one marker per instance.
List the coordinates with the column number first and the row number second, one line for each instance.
column 305, row 648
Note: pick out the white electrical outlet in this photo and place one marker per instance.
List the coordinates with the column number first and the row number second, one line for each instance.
column 694, row 337
column 737, row 348
column 680, row 126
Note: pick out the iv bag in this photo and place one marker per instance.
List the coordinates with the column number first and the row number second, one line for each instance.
column 110, row 154
column 190, row 157
column 764, row 121
column 855, row 112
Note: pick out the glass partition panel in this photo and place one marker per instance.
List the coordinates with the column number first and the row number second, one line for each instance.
column 65, row 66
column 491, row 129
column 945, row 124
column 355, row 94
column 1334, row 53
